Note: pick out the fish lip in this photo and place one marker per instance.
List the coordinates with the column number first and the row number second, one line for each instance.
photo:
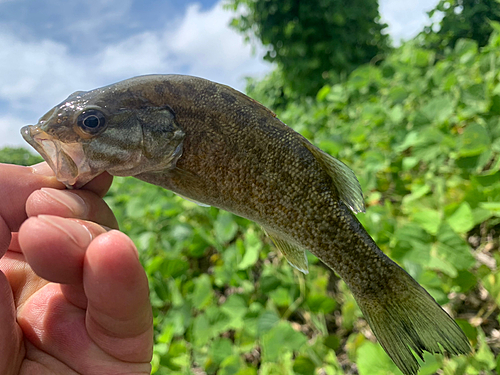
column 29, row 132
column 53, row 152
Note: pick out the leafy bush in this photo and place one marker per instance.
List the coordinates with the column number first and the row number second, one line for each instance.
column 19, row 156
column 461, row 19
column 424, row 139
column 313, row 40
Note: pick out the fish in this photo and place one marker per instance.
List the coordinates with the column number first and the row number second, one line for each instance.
column 217, row 147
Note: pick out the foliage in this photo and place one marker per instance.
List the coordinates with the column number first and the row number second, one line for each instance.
column 423, row 136
column 313, row 40
column 424, row 139
column 462, row 19
column 19, row 156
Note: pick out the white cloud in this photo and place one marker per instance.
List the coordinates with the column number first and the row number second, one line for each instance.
column 405, row 18
column 140, row 54
column 38, row 74
column 95, row 15
column 201, row 44
column 10, row 127
column 205, row 42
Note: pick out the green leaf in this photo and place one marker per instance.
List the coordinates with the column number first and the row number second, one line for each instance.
column 484, row 358
column 225, row 227
column 428, row 219
column 319, row 303
column 412, row 244
column 235, row 308
column 474, row 140
column 220, row 349
column 325, row 90
column 231, row 365
column 439, row 109
column 266, row 322
column 253, row 245
column 203, row 293
column 464, row 46
column 372, row 360
column 443, row 266
column 462, row 220
column 491, row 206
column 281, row 297
column 279, row 339
column 466, row 280
column 202, row 331
column 453, row 248
column 303, row 366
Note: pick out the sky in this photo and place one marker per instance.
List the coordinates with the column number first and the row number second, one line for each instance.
column 51, row 48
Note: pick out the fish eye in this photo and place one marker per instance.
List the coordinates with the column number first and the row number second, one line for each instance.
column 91, row 121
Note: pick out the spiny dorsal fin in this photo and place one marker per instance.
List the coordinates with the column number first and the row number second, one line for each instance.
column 343, row 177
column 294, row 254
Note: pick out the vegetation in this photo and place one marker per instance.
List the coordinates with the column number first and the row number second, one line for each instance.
column 313, row 40
column 18, row 156
column 423, row 137
column 461, row 19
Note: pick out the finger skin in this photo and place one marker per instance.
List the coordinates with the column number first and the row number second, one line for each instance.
column 56, row 328
column 111, row 285
column 18, row 182
column 10, row 333
column 119, row 315
column 78, row 204
column 55, row 247
column 100, row 184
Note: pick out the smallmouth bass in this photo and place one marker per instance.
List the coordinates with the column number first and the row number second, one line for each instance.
column 215, row 146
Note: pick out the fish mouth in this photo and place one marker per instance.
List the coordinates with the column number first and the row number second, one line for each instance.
column 67, row 160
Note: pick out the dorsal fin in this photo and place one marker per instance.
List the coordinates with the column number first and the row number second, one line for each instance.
column 294, row 254
column 343, row 177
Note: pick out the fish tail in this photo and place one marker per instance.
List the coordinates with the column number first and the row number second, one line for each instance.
column 409, row 319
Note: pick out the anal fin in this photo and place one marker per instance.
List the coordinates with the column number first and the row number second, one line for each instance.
column 295, row 255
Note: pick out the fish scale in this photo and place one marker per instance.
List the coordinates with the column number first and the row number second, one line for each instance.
column 215, row 146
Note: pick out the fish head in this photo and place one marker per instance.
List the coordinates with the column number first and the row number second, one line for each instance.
column 113, row 129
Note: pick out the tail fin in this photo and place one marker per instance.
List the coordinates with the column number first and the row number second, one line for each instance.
column 410, row 319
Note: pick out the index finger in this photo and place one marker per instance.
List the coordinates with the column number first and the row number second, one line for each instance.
column 16, row 185
column 99, row 185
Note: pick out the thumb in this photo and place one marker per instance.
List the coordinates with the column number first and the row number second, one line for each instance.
column 119, row 314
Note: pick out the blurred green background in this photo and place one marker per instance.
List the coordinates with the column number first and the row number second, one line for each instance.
column 419, row 125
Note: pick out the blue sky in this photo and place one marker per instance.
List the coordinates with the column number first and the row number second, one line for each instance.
column 51, row 48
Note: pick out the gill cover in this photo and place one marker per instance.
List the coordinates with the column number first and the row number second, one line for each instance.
column 133, row 141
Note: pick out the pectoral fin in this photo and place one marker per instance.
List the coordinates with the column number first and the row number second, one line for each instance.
column 192, row 200
column 294, row 254
column 344, row 178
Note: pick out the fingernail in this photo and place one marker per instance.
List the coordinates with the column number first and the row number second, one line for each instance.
column 42, row 169
column 71, row 200
column 78, row 233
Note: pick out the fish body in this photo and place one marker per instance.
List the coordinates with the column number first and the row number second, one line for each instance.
column 215, row 146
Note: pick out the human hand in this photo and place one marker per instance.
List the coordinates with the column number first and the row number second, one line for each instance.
column 74, row 297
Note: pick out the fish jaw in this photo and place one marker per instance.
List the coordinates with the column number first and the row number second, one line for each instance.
column 67, row 160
